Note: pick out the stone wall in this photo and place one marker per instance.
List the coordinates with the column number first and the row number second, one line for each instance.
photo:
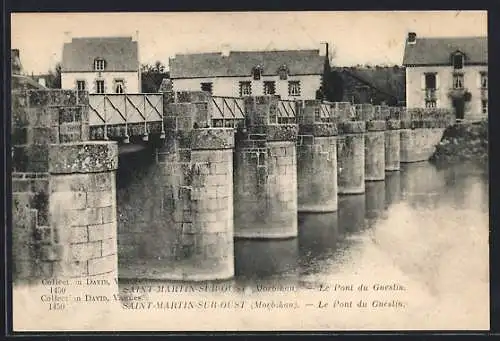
column 316, row 162
column 265, row 174
column 64, row 209
column 184, row 188
column 351, row 157
column 392, row 145
column 375, row 150
column 82, row 208
column 419, row 140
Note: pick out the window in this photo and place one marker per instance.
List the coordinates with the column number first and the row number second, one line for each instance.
column 269, row 88
column 484, row 106
column 99, row 86
column 119, row 86
column 283, row 72
column 80, row 85
column 458, row 81
column 257, row 72
column 294, row 88
column 99, row 64
column 245, row 89
column 484, row 80
column 431, row 103
column 430, row 81
column 458, row 61
column 207, row 87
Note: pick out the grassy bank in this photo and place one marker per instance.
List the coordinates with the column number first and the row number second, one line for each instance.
column 463, row 142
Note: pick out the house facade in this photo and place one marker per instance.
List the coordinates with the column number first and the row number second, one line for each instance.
column 101, row 65
column 441, row 71
column 291, row 74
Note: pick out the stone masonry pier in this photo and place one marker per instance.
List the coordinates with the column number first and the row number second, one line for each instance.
column 173, row 209
column 374, row 142
column 265, row 174
column 316, row 158
column 64, row 193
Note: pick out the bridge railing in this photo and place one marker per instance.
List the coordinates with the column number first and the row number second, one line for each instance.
column 226, row 111
column 286, row 111
column 118, row 109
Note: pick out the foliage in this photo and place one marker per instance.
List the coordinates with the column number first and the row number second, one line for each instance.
column 331, row 84
column 463, row 141
column 459, row 94
column 152, row 76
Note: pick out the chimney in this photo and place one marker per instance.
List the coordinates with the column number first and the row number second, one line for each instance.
column 412, row 38
column 225, row 49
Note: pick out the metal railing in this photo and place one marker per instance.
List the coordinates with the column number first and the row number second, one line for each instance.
column 114, row 109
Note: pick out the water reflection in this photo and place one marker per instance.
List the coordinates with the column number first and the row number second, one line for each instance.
column 425, row 226
column 318, row 237
column 374, row 201
column 392, row 188
column 467, row 186
column 351, row 214
column 421, row 184
column 261, row 259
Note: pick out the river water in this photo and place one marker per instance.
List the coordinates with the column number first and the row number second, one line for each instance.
column 410, row 253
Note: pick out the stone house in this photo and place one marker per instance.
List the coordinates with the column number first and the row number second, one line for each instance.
column 290, row 74
column 101, row 65
column 441, row 71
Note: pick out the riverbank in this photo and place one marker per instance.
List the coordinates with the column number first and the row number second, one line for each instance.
column 465, row 141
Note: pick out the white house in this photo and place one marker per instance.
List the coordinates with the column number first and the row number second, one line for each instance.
column 291, row 74
column 101, row 65
column 439, row 68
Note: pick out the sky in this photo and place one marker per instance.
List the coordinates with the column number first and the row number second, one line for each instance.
column 357, row 37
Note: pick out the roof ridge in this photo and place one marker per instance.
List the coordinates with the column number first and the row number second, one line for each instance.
column 454, row 37
column 102, row 37
column 245, row 51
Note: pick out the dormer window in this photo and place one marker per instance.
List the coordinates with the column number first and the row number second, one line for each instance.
column 257, row 72
column 99, row 64
column 283, row 72
column 458, row 61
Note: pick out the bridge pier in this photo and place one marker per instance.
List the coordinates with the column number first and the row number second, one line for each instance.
column 197, row 201
column 265, row 174
column 64, row 194
column 316, row 162
column 392, row 145
column 375, row 151
column 351, row 157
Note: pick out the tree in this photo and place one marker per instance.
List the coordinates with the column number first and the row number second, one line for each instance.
column 152, row 76
column 54, row 77
column 331, row 86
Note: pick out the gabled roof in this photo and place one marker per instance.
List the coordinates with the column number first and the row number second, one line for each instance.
column 120, row 54
column 386, row 80
column 438, row 51
column 241, row 63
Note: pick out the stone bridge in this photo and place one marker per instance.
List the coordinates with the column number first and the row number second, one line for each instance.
column 213, row 169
